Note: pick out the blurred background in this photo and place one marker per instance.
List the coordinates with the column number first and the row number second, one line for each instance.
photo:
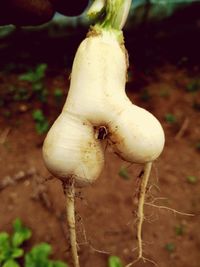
column 170, row 28
column 36, row 55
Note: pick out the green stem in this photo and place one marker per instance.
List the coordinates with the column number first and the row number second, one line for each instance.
column 96, row 9
column 116, row 14
column 112, row 14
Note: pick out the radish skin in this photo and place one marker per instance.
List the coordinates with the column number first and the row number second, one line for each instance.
column 101, row 58
column 70, row 141
column 136, row 135
column 133, row 141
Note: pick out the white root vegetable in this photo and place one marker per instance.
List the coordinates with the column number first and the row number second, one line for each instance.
column 136, row 135
column 73, row 154
column 72, row 150
column 98, row 97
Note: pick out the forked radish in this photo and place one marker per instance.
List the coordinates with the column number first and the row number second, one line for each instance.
column 97, row 100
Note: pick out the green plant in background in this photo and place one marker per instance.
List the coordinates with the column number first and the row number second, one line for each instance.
column 10, row 246
column 36, row 78
column 123, row 172
column 170, row 247
column 170, row 118
column 42, row 95
column 179, row 230
column 193, row 86
column 39, row 257
column 36, row 75
column 11, row 250
column 41, row 122
column 58, row 94
column 21, row 94
column 114, row 261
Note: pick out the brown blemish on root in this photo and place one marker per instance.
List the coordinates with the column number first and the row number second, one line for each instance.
column 93, row 31
column 115, row 139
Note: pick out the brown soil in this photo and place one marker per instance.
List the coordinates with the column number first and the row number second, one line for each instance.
column 106, row 211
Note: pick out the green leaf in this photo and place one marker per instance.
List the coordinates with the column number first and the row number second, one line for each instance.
column 59, row 264
column 170, row 118
column 40, row 71
column 42, row 127
column 42, row 250
column 4, row 239
column 38, row 86
column 193, row 86
column 179, row 229
column 5, row 247
column 17, row 253
column 21, row 233
column 34, row 76
column 17, row 225
column 28, row 76
column 42, row 95
column 124, row 173
column 96, row 9
column 58, row 94
column 170, row 247
column 11, row 263
column 116, row 14
column 114, row 261
column 38, row 256
column 21, row 94
column 42, row 124
column 18, row 239
column 38, row 115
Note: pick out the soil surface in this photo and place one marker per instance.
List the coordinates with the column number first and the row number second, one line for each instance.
column 106, row 211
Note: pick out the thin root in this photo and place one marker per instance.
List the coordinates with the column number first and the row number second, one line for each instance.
column 98, row 250
column 140, row 212
column 70, row 193
column 170, row 209
column 183, row 129
column 144, row 260
column 4, row 135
